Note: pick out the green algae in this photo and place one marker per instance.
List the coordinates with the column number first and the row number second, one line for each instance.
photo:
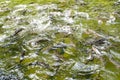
column 51, row 53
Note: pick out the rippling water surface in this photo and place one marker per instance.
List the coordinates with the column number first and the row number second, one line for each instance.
column 53, row 42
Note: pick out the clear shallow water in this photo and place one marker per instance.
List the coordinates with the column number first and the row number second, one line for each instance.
column 50, row 42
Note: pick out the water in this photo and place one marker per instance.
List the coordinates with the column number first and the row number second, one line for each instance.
column 54, row 42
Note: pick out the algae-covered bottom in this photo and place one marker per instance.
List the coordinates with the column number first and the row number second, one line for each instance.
column 60, row 41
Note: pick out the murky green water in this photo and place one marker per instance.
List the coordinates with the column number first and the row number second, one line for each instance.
column 61, row 40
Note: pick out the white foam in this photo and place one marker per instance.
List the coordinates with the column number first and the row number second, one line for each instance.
column 2, row 37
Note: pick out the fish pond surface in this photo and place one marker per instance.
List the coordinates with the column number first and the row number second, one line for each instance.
column 60, row 40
